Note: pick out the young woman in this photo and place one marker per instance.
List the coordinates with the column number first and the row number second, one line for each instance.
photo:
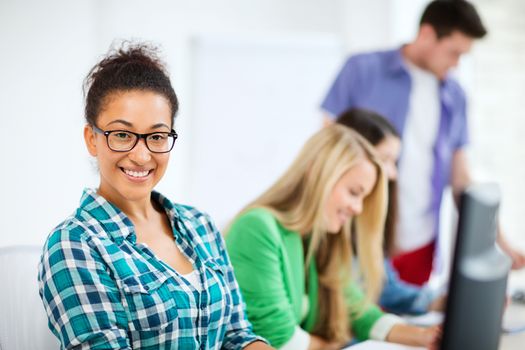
column 397, row 296
column 129, row 269
column 291, row 249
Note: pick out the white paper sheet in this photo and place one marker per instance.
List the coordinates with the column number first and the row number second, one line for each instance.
column 379, row 345
column 431, row 318
column 514, row 319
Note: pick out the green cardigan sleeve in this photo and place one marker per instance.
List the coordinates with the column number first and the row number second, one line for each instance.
column 363, row 314
column 255, row 248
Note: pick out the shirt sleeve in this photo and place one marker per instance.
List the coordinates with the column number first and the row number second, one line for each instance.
column 341, row 94
column 81, row 299
column 383, row 325
column 239, row 333
column 300, row 340
column 459, row 128
column 404, row 298
column 254, row 249
column 363, row 314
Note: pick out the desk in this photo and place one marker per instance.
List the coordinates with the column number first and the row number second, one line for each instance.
column 512, row 342
column 514, row 316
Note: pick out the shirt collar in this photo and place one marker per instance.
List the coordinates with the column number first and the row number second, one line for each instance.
column 101, row 212
column 396, row 64
column 112, row 219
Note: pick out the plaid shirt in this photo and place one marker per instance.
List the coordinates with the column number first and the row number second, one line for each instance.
column 103, row 290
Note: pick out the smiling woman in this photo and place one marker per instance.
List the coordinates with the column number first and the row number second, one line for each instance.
column 130, row 269
column 129, row 168
column 291, row 249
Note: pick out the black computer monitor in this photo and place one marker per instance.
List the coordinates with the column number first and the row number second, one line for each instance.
column 478, row 279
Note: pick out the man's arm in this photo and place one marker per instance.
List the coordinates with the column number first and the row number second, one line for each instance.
column 518, row 257
column 460, row 179
column 460, row 176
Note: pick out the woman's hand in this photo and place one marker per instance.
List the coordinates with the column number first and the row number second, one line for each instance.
column 317, row 343
column 429, row 338
column 432, row 337
column 438, row 304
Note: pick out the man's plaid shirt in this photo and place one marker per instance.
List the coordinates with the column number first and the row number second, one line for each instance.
column 103, row 290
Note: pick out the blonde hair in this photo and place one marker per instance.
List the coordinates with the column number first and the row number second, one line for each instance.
column 297, row 200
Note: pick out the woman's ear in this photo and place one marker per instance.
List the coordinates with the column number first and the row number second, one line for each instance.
column 89, row 138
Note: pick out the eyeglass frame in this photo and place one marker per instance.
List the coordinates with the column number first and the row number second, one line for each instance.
column 106, row 133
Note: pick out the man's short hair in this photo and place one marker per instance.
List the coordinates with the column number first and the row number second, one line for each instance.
column 447, row 16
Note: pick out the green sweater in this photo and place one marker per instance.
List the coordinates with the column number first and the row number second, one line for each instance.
column 269, row 262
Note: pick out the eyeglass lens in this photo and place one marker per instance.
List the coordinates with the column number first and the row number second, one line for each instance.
column 125, row 141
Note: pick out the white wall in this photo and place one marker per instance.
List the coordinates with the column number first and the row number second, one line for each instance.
column 497, row 94
column 48, row 47
column 257, row 91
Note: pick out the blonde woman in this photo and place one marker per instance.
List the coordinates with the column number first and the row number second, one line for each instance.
column 291, row 249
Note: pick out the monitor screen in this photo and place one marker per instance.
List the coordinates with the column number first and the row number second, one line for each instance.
column 479, row 273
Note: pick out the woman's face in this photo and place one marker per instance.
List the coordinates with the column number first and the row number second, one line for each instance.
column 346, row 198
column 388, row 151
column 131, row 175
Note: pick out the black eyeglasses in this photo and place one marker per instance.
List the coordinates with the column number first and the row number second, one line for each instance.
column 125, row 141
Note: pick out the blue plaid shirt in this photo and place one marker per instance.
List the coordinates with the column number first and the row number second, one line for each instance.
column 103, row 290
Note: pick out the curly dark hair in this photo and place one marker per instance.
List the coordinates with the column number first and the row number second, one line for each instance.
column 132, row 66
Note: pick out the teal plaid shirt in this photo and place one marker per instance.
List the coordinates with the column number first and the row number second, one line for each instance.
column 103, row 290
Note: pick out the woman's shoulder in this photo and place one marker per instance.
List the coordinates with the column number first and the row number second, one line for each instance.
column 181, row 211
column 66, row 243
column 189, row 212
column 91, row 224
column 73, row 228
column 256, row 225
column 197, row 227
column 257, row 215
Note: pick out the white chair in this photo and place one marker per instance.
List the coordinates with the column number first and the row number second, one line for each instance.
column 23, row 320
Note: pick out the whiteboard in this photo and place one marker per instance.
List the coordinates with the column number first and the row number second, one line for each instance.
column 255, row 102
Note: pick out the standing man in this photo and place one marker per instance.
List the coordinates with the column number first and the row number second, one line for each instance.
column 411, row 87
